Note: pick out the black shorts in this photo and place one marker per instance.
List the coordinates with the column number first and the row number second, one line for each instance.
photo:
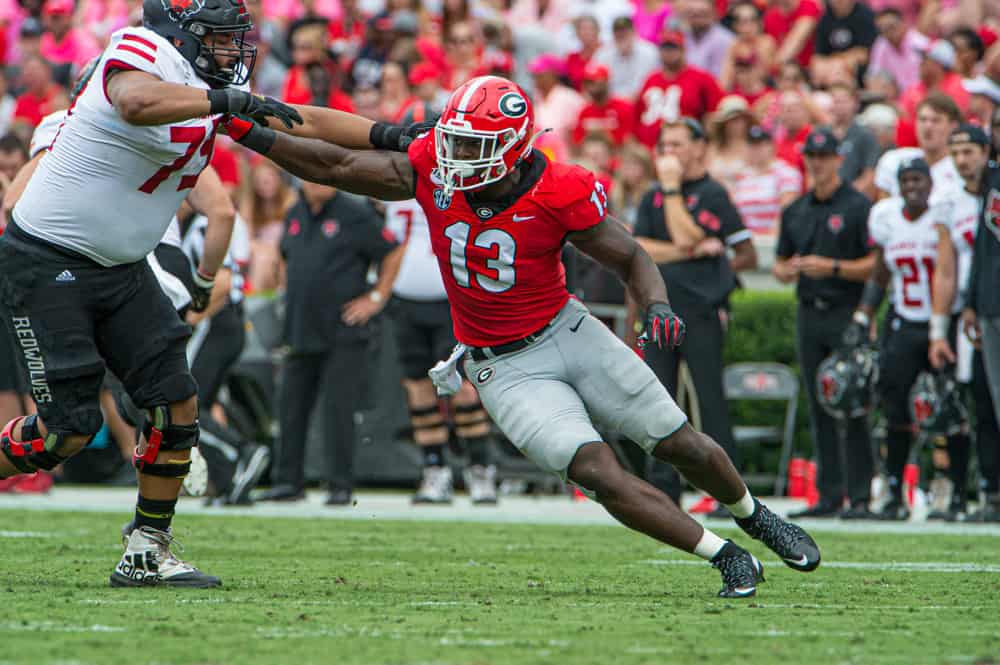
column 901, row 359
column 71, row 317
column 11, row 373
column 424, row 334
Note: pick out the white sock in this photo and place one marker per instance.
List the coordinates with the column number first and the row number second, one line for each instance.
column 709, row 545
column 743, row 508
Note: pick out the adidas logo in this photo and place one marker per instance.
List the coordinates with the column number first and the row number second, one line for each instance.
column 65, row 276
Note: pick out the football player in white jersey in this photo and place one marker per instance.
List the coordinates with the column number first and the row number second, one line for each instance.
column 424, row 334
column 970, row 149
column 937, row 117
column 904, row 231
column 76, row 290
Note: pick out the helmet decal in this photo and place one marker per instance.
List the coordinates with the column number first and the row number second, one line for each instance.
column 181, row 9
column 513, row 105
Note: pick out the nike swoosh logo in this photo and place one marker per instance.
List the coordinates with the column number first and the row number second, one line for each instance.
column 519, row 218
column 745, row 591
column 577, row 326
column 804, row 561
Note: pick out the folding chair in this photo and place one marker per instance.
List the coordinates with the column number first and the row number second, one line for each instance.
column 766, row 382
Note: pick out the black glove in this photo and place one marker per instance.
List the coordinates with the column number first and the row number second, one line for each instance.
column 384, row 136
column 230, row 101
column 855, row 334
column 663, row 327
column 200, row 291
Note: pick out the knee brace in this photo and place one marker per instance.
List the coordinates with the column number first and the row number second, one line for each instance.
column 159, row 434
column 33, row 452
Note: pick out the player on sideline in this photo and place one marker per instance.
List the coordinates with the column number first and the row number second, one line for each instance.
column 499, row 213
column 76, row 289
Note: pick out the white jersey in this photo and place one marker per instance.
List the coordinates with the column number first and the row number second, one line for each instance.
column 419, row 273
column 108, row 189
column 237, row 257
column 909, row 249
column 944, row 175
column 45, row 132
column 962, row 222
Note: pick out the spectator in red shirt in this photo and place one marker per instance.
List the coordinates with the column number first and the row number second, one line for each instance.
column 347, row 34
column 428, row 97
column 62, row 44
column 41, row 95
column 936, row 73
column 794, row 128
column 676, row 91
column 611, row 116
column 395, row 98
column 314, row 77
column 588, row 32
column 792, row 23
column 463, row 50
column 752, row 44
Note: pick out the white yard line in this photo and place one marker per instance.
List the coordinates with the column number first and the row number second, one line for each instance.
column 888, row 566
column 396, row 506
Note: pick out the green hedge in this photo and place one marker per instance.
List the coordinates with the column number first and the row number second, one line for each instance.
column 762, row 329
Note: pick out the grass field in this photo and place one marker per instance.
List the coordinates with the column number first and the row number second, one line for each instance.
column 304, row 591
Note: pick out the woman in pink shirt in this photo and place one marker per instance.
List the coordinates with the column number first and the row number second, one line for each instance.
column 649, row 18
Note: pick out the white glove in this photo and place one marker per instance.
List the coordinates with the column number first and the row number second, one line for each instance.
column 445, row 374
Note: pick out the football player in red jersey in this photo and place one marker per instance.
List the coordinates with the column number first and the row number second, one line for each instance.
column 546, row 370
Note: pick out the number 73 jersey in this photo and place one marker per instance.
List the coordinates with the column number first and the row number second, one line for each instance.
column 108, row 189
column 909, row 249
column 501, row 262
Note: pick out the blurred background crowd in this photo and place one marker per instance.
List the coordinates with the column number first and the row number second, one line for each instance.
column 604, row 75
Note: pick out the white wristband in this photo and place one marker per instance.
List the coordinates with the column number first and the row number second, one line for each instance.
column 939, row 326
column 375, row 296
column 201, row 281
column 861, row 318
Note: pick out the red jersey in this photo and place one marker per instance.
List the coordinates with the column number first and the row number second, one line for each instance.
column 502, row 267
column 613, row 118
column 778, row 24
column 692, row 93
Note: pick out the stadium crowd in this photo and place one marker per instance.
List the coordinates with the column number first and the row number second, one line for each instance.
column 765, row 84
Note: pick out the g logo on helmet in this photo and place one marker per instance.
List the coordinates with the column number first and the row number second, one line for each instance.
column 182, row 8
column 512, row 105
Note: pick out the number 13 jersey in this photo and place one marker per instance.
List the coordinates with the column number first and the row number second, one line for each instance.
column 108, row 189
column 501, row 262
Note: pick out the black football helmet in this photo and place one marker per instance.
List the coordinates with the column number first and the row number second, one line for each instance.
column 185, row 23
column 845, row 381
column 936, row 404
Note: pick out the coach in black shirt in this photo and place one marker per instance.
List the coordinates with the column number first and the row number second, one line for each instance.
column 330, row 241
column 823, row 248
column 687, row 224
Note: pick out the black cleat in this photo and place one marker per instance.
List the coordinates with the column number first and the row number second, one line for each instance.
column 858, row 511
column 795, row 547
column 741, row 571
column 820, row 510
column 894, row 511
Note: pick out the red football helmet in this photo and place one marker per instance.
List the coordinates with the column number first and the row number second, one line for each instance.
column 484, row 131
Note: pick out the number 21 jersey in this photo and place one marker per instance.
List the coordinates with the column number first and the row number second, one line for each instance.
column 108, row 189
column 909, row 249
column 501, row 263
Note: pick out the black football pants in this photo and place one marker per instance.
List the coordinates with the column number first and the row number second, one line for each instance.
column 338, row 375
column 844, row 454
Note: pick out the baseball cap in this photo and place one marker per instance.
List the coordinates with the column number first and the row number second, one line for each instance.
column 756, row 134
column 56, row 7
column 670, row 37
column 983, row 85
column 596, row 72
column 918, row 164
column 968, row 133
column 547, row 62
column 940, row 51
column 498, row 61
column 423, row 72
column 821, row 142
